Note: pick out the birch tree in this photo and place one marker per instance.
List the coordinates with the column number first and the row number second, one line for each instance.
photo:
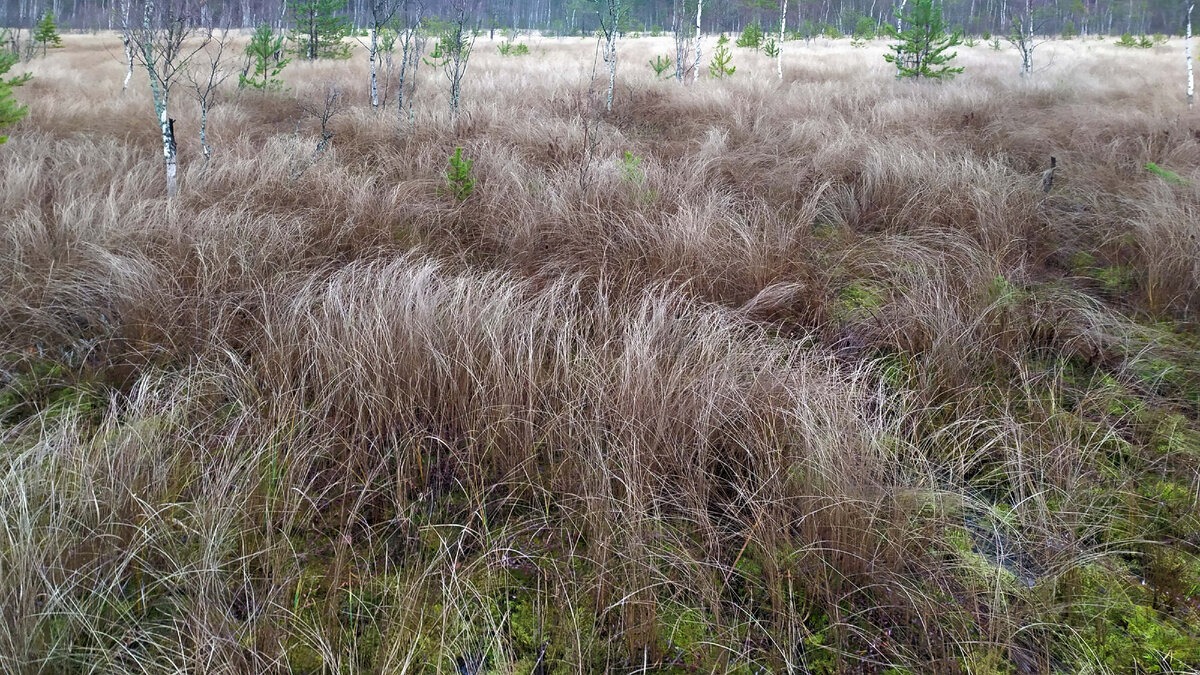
column 1023, row 37
column 696, row 63
column 382, row 13
column 610, row 20
column 1187, row 55
column 683, row 37
column 205, row 85
column 127, row 40
column 453, row 54
column 412, row 46
column 160, row 49
column 782, row 32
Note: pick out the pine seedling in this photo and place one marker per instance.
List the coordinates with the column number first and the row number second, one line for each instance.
column 660, row 64
column 719, row 66
column 265, row 54
column 751, row 37
column 47, row 33
column 10, row 111
column 458, row 176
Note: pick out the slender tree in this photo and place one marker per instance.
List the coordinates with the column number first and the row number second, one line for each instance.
column 696, row 63
column 205, row 85
column 683, row 37
column 610, row 22
column 382, row 13
column 1023, row 36
column 782, row 33
column 1187, row 55
column 453, row 54
column 47, row 32
column 127, row 42
column 412, row 46
column 163, row 48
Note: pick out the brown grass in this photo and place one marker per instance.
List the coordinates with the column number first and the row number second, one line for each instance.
column 834, row 389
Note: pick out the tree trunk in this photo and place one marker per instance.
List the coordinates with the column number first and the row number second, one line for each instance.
column 696, row 69
column 374, row 77
column 167, row 126
column 782, row 29
column 1187, row 51
column 203, row 139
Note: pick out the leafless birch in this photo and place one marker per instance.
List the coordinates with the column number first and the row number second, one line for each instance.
column 205, row 84
column 162, row 49
column 1187, row 54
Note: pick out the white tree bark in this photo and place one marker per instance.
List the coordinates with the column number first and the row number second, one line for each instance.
column 128, row 42
column 129, row 62
column 696, row 69
column 1187, row 51
column 782, row 29
column 611, row 48
column 373, row 54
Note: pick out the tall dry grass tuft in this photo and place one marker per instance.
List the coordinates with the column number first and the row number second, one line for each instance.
column 822, row 383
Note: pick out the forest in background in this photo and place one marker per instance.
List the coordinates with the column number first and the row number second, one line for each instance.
column 575, row 17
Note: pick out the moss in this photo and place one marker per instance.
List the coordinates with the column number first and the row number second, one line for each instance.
column 1173, row 435
column 1112, row 278
column 1113, row 618
column 858, row 300
column 683, row 633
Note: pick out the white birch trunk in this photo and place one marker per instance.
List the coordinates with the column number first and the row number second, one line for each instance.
column 167, row 127
column 612, row 66
column 203, row 141
column 1187, row 52
column 696, row 69
column 373, row 54
column 128, row 61
column 128, row 42
column 782, row 29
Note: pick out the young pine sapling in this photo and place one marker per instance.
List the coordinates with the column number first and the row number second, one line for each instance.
column 459, row 181
column 660, row 64
column 47, row 33
column 11, row 111
column 921, row 51
column 264, row 55
column 720, row 67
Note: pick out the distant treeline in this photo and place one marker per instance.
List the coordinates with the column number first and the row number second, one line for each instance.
column 575, row 17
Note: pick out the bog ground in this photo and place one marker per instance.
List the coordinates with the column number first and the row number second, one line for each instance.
column 744, row 376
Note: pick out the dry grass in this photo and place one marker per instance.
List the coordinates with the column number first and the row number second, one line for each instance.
column 833, row 389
